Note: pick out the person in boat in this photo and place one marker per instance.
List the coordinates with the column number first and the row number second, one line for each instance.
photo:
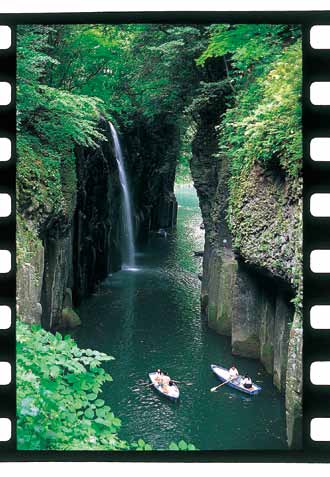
column 166, row 382
column 158, row 376
column 233, row 373
column 247, row 382
column 162, row 232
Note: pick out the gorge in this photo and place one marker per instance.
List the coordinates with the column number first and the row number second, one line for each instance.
column 89, row 251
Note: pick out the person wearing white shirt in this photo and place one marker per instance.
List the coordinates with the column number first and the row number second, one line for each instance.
column 165, row 382
column 233, row 373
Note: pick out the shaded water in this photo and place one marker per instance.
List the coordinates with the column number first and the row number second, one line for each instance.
column 129, row 252
column 151, row 318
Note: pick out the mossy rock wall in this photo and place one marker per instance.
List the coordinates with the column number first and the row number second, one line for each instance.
column 265, row 214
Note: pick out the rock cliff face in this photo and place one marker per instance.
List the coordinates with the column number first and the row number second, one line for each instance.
column 69, row 252
column 250, row 270
column 29, row 285
column 74, row 249
column 152, row 151
column 293, row 394
column 96, row 239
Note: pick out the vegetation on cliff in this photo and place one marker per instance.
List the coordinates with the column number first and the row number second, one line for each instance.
column 260, row 135
column 51, row 121
column 263, row 122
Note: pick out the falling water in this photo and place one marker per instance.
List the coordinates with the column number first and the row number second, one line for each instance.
column 126, row 203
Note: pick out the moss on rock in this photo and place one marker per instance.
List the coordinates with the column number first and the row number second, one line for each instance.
column 69, row 319
column 265, row 220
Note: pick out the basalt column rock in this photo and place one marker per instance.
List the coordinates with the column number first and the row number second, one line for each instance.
column 293, row 392
column 207, row 168
column 267, row 330
column 220, row 266
column 246, row 315
column 81, row 250
column 152, row 151
column 57, row 275
column 204, row 170
column 96, row 242
column 29, row 285
column 219, row 308
column 283, row 322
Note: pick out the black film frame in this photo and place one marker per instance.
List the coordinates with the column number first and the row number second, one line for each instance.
column 316, row 176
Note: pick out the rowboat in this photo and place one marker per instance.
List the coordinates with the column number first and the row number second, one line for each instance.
column 223, row 375
column 172, row 392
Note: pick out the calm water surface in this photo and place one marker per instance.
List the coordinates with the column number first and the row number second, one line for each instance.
column 150, row 318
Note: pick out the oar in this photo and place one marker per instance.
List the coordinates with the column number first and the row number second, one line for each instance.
column 145, row 384
column 219, row 386
column 181, row 382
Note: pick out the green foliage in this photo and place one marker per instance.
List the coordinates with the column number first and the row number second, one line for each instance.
column 50, row 122
column 181, row 446
column 250, row 47
column 58, row 388
column 165, row 57
column 131, row 69
column 140, row 445
column 38, row 174
column 265, row 123
column 56, row 116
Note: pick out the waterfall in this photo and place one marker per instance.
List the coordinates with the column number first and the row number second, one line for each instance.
column 129, row 257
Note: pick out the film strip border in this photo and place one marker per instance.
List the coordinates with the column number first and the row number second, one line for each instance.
column 316, row 123
column 316, row 129
column 7, row 236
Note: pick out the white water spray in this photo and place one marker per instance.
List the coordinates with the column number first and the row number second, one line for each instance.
column 129, row 257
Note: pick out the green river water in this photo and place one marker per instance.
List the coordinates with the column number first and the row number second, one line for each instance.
column 150, row 318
